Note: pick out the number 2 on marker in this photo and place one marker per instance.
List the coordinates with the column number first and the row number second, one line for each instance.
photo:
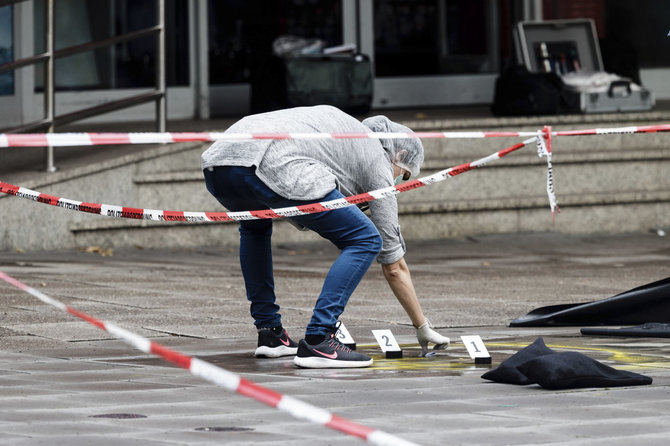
column 386, row 340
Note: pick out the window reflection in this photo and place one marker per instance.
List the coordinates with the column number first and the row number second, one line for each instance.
column 6, row 50
column 242, row 31
column 632, row 35
column 130, row 64
column 431, row 37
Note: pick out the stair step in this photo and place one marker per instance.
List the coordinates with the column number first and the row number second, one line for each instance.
column 420, row 208
column 604, row 183
column 594, row 213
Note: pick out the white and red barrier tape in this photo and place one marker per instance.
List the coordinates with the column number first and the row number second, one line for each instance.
column 161, row 215
column 544, row 150
column 226, row 379
column 95, row 139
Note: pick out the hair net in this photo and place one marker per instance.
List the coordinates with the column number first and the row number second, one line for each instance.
column 403, row 152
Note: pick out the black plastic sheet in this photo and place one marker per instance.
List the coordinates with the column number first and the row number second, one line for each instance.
column 648, row 330
column 645, row 304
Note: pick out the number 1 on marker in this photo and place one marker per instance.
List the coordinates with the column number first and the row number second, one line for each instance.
column 475, row 346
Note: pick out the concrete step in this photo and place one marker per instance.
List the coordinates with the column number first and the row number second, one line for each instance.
column 580, row 214
column 604, row 184
column 186, row 190
column 593, row 197
column 609, row 170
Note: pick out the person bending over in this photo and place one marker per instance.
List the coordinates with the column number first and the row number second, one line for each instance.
column 260, row 174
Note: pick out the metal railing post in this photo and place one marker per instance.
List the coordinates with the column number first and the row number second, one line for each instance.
column 50, row 121
column 201, row 57
column 49, row 79
column 161, row 101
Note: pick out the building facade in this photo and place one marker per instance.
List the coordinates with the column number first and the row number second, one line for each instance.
column 424, row 53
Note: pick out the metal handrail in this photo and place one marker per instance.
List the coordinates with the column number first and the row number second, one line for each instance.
column 94, row 45
column 20, row 63
column 49, row 121
column 84, row 113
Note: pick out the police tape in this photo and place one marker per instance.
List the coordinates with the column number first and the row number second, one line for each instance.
column 292, row 211
column 223, row 378
column 96, row 139
column 544, row 144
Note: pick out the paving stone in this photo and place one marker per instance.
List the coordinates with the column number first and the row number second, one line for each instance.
column 57, row 372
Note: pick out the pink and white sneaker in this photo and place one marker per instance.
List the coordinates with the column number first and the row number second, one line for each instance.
column 273, row 345
column 329, row 354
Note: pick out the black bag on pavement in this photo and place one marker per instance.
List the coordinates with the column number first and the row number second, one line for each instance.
column 538, row 364
column 518, row 92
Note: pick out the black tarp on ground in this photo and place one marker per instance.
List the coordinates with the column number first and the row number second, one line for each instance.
column 648, row 330
column 645, row 304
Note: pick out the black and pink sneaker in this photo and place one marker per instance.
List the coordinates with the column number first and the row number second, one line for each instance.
column 273, row 345
column 329, row 354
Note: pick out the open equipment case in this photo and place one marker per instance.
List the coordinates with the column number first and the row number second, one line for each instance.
column 569, row 48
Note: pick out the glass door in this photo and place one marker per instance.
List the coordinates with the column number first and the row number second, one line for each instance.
column 98, row 76
column 125, row 69
column 6, row 49
column 433, row 52
column 11, row 82
column 244, row 75
column 425, row 52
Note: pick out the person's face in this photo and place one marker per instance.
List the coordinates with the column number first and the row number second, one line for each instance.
column 400, row 172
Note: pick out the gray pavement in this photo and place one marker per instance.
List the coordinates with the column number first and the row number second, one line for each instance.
column 65, row 382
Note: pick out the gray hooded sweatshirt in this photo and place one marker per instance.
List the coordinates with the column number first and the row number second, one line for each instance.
column 300, row 169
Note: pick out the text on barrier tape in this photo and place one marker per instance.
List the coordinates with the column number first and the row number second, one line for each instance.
column 160, row 215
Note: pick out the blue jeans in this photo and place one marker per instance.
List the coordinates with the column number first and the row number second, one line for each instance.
column 237, row 189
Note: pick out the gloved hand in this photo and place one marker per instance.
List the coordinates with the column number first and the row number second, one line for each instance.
column 426, row 334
